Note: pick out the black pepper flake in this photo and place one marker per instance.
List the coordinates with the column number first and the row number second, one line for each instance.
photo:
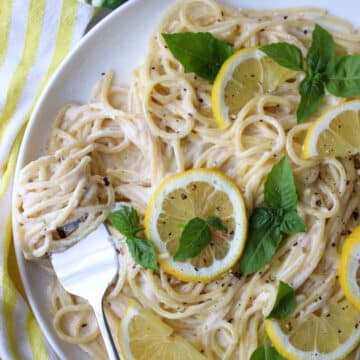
column 231, row 232
column 333, row 244
column 183, row 196
column 285, row 17
column 106, row 181
column 318, row 202
column 84, row 325
column 295, row 243
column 153, row 68
column 305, row 31
column 196, row 269
column 262, row 30
column 170, row 233
column 237, row 275
column 355, row 215
column 102, row 74
column 201, row 100
column 61, row 233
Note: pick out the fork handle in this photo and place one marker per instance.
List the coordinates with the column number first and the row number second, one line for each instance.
column 105, row 331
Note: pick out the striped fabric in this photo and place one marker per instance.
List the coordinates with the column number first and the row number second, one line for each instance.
column 35, row 36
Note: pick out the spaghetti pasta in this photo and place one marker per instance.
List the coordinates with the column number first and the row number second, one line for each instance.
column 132, row 138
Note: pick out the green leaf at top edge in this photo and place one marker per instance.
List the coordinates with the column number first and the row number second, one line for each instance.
column 216, row 223
column 200, row 53
column 312, row 91
column 279, row 189
column 110, row 4
column 285, row 54
column 285, row 302
column 343, row 76
column 195, row 237
column 321, row 52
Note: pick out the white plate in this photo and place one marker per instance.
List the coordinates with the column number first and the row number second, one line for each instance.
column 118, row 43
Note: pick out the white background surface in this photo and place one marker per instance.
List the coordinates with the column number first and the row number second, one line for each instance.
column 118, row 43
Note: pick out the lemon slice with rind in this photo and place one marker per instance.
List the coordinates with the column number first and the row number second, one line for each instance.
column 244, row 75
column 144, row 336
column 349, row 268
column 335, row 133
column 197, row 193
column 330, row 335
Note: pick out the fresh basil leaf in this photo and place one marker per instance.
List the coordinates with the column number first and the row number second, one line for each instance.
column 143, row 252
column 344, row 76
column 111, row 4
column 195, row 237
column 285, row 54
column 312, row 91
column 279, row 189
column 321, row 52
column 216, row 223
column 293, row 223
column 125, row 220
column 263, row 239
column 285, row 302
column 258, row 354
column 200, row 53
column 266, row 352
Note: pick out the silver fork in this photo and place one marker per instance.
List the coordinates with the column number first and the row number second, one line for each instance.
column 87, row 269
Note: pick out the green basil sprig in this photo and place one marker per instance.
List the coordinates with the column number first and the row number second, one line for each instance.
column 284, row 306
column 266, row 352
column 339, row 74
column 201, row 53
column 285, row 302
column 269, row 224
column 126, row 221
column 196, row 236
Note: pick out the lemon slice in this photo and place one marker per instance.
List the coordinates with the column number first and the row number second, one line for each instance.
column 349, row 268
column 329, row 335
column 197, row 193
column 245, row 74
column 336, row 133
column 143, row 336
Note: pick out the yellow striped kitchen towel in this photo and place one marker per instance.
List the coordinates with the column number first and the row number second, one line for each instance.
column 35, row 36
